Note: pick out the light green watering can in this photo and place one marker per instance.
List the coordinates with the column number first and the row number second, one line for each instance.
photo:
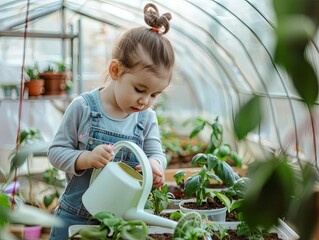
column 120, row 189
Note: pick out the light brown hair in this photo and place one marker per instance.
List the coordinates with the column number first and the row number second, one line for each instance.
column 146, row 47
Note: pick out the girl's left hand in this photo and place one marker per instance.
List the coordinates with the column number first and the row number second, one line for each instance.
column 158, row 173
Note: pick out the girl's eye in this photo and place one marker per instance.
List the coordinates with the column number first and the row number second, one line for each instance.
column 154, row 95
column 138, row 90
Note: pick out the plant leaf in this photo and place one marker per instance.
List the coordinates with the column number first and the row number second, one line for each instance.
column 199, row 159
column 18, row 158
column 226, row 173
column 225, row 200
column 134, row 230
column 197, row 130
column 248, row 118
column 270, row 194
column 306, row 82
column 187, row 221
column 191, row 185
column 179, row 176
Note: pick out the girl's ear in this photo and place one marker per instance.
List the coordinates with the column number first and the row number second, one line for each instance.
column 114, row 69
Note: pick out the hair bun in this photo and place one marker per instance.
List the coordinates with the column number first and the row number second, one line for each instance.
column 154, row 19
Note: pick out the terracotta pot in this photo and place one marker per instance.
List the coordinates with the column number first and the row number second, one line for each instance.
column 35, row 87
column 54, row 83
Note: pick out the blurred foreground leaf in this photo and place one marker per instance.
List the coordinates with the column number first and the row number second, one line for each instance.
column 269, row 193
column 248, row 118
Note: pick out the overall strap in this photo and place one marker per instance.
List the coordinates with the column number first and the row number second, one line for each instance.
column 95, row 113
column 139, row 127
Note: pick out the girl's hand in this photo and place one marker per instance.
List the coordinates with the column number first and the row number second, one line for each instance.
column 158, row 173
column 100, row 156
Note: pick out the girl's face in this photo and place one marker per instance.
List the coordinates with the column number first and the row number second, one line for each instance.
column 138, row 91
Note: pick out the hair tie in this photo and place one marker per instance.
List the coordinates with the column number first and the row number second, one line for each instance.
column 155, row 29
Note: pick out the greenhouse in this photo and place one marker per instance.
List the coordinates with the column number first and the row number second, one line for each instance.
column 223, row 107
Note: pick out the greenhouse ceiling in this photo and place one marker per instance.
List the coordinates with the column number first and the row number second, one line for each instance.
column 224, row 49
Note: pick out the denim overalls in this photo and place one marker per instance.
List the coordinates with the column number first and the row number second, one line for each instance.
column 71, row 209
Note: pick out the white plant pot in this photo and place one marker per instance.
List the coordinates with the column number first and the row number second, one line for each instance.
column 218, row 215
column 174, row 203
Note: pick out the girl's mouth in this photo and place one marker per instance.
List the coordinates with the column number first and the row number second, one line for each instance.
column 135, row 109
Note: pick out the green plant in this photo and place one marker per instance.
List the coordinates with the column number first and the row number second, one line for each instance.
column 190, row 227
column 49, row 68
column 197, row 185
column 256, row 233
column 215, row 145
column 112, row 227
column 32, row 72
column 179, row 178
column 51, row 176
column 62, row 66
column 237, row 190
column 222, row 169
column 28, row 142
column 215, row 229
column 158, row 200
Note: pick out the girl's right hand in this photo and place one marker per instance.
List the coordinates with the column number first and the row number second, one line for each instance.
column 100, row 156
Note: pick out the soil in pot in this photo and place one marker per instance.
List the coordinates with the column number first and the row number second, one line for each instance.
column 160, row 236
column 207, row 205
column 231, row 216
column 233, row 236
column 165, row 215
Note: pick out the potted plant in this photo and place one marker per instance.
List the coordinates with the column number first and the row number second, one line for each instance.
column 211, row 203
column 55, row 76
column 34, row 83
column 236, row 193
column 158, row 200
column 8, row 89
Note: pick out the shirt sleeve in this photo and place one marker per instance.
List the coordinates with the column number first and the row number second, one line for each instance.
column 64, row 149
column 152, row 142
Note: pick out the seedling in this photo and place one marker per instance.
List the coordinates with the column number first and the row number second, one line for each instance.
column 158, row 200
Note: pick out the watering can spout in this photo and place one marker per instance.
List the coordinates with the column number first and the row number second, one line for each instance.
column 149, row 218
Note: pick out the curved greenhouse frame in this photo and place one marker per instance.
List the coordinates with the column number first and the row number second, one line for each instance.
column 251, row 64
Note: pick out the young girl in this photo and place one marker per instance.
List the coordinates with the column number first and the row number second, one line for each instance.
column 140, row 70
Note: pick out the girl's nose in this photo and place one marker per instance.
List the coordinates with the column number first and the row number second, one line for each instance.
column 143, row 100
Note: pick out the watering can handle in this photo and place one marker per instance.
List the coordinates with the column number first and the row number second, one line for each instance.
column 146, row 169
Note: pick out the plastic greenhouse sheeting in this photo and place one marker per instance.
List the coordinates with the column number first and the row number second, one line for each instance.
column 224, row 55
